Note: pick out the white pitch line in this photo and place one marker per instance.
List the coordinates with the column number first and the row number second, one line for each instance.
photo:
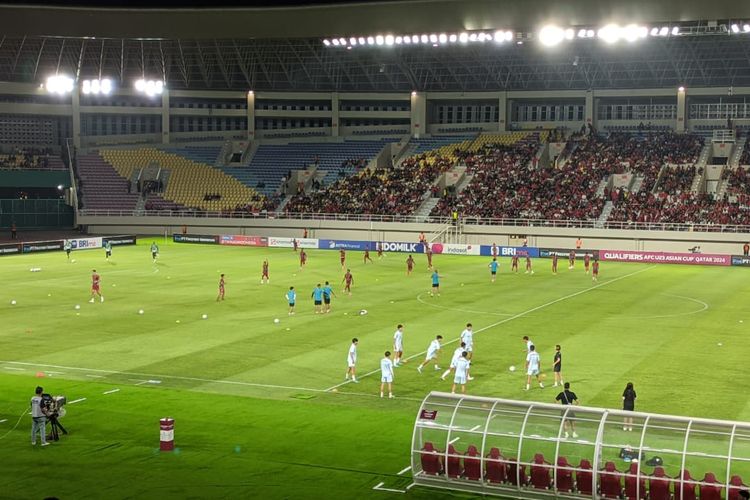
column 379, row 487
column 13, row 368
column 506, row 320
column 76, row 401
column 3, row 420
column 453, row 440
column 56, row 373
column 95, row 376
column 171, row 377
column 112, row 391
column 404, row 470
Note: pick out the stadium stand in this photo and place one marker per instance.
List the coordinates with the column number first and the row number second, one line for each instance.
column 101, row 186
column 31, row 158
column 191, row 183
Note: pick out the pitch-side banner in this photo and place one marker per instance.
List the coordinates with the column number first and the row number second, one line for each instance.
column 120, row 240
column 564, row 253
column 43, row 246
column 487, row 250
column 399, row 246
column 454, row 249
column 703, row 259
column 85, row 243
column 273, row 241
column 242, row 240
column 737, row 260
column 10, row 248
column 345, row 245
column 196, row 238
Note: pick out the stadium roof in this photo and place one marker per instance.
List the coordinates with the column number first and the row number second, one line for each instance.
column 280, row 48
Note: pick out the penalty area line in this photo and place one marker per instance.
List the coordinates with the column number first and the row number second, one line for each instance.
column 507, row 320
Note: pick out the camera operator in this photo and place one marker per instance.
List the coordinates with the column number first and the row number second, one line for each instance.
column 38, row 418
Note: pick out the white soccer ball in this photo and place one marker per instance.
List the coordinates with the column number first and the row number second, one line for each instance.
column 77, row 307
column 73, row 260
column 276, row 320
column 719, row 344
column 362, row 312
column 12, row 302
column 205, row 316
column 512, row 368
column 140, row 311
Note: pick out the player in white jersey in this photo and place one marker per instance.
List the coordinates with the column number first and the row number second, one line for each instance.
column 528, row 342
column 433, row 351
column 351, row 361
column 398, row 345
column 532, row 367
column 467, row 337
column 462, row 373
column 456, row 354
column 386, row 374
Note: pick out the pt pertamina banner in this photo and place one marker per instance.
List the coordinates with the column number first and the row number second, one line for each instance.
column 42, row 246
column 196, row 238
column 701, row 259
column 120, row 240
column 564, row 253
column 10, row 248
column 737, row 260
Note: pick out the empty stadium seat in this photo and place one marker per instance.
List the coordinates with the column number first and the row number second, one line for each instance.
column 632, row 488
column 584, row 478
column 496, row 471
column 453, row 466
column 711, row 491
column 472, row 464
column 517, row 474
column 658, row 485
column 564, row 475
column 735, row 486
column 609, row 480
column 686, row 491
column 540, row 473
column 430, row 459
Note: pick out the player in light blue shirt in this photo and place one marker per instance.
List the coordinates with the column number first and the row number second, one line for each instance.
column 108, row 249
column 435, row 283
column 291, row 298
column 493, row 268
column 317, row 295
column 327, row 294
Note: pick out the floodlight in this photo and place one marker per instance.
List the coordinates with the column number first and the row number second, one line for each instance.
column 379, row 40
column 590, row 33
column 735, row 28
column 352, row 41
column 106, row 86
column 654, row 31
column 610, row 33
column 630, row 33
column 414, row 93
column 570, row 34
column 664, row 31
column 415, row 39
column 342, row 41
column 370, row 40
column 60, row 84
column 746, row 27
column 425, row 38
column 463, row 37
column 399, row 40
column 140, row 85
column 551, row 35
column 433, row 38
column 326, row 43
column 389, row 40
column 443, row 38
column 680, row 89
column 150, row 87
column 499, row 36
column 581, row 33
column 407, row 39
column 472, row 37
column 361, row 40
column 86, row 87
column 59, row 187
column 453, row 38
column 508, row 36
column 335, row 42
column 675, row 31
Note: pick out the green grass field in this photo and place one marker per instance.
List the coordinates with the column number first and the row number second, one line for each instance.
column 252, row 400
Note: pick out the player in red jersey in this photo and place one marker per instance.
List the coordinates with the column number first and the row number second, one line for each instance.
column 514, row 263
column 528, row 266
column 586, row 262
column 595, row 270
column 342, row 258
column 409, row 265
column 294, row 244
column 347, row 281
column 428, row 252
column 221, row 289
column 264, row 276
column 554, row 262
column 572, row 259
column 379, row 248
column 95, row 286
column 366, row 256
column 494, row 251
column 302, row 259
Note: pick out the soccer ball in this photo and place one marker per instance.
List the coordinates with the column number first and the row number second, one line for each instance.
column 140, row 311
column 276, row 320
column 77, row 307
column 205, row 316
column 362, row 312
column 512, row 368
column 73, row 260
column 12, row 302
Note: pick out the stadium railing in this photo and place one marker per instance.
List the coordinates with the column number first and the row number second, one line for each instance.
column 573, row 224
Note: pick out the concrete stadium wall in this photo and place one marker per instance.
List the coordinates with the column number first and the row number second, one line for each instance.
column 544, row 237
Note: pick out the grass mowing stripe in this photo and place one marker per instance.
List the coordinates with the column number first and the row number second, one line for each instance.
column 506, row 320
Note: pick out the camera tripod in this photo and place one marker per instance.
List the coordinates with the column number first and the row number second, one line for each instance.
column 55, row 428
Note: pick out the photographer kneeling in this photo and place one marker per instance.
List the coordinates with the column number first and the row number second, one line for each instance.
column 38, row 418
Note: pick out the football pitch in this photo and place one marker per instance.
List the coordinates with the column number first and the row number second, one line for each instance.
column 262, row 409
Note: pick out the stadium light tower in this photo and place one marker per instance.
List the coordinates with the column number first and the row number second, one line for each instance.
column 149, row 87
column 551, row 35
column 60, row 84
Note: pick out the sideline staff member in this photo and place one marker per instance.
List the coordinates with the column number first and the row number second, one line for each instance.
column 568, row 397
column 38, row 418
